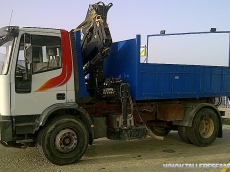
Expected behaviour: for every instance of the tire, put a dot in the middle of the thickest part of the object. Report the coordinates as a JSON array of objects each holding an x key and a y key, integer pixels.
[
  {"x": 182, "y": 132},
  {"x": 64, "y": 140},
  {"x": 204, "y": 129},
  {"x": 160, "y": 131}
]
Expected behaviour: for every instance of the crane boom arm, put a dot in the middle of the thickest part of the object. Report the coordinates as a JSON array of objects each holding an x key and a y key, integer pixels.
[{"x": 96, "y": 41}]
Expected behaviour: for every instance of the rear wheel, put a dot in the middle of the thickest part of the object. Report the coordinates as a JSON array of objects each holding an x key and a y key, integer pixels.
[
  {"x": 204, "y": 129},
  {"x": 64, "y": 140},
  {"x": 160, "y": 131}
]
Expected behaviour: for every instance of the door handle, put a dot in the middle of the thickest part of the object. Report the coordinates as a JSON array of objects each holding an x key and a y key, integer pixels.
[{"x": 60, "y": 96}]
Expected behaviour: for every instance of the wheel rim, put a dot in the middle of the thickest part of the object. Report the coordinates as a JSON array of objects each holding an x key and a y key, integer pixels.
[
  {"x": 206, "y": 127},
  {"x": 66, "y": 140}
]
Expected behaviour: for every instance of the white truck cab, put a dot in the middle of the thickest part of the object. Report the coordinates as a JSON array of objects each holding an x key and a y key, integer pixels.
[{"x": 36, "y": 73}]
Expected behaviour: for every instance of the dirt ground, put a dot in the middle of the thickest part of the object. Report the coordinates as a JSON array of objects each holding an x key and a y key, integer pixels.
[{"x": 136, "y": 155}]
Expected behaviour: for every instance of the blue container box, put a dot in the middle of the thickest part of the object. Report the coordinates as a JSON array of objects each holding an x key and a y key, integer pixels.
[{"x": 149, "y": 81}]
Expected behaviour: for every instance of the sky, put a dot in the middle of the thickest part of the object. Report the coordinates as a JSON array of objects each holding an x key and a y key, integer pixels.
[{"x": 126, "y": 18}]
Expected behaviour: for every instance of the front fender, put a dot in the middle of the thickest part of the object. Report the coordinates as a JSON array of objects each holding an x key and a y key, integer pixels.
[
  {"x": 72, "y": 107},
  {"x": 41, "y": 120}
]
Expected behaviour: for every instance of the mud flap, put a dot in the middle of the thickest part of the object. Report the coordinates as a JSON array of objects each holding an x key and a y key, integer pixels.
[{"x": 5, "y": 130}]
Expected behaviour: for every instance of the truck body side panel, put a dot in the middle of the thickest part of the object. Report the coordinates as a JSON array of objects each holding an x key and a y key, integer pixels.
[
  {"x": 123, "y": 62},
  {"x": 82, "y": 93},
  {"x": 149, "y": 81}
]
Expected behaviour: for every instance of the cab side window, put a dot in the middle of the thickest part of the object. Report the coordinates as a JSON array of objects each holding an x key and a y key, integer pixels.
[
  {"x": 23, "y": 68},
  {"x": 46, "y": 53}
]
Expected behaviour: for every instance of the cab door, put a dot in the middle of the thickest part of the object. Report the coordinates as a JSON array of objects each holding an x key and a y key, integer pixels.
[{"x": 39, "y": 64}]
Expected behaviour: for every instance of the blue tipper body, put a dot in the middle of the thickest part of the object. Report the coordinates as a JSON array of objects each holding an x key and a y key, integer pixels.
[
  {"x": 82, "y": 92},
  {"x": 149, "y": 81}
]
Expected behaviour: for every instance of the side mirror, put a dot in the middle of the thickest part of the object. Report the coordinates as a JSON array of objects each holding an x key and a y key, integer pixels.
[{"x": 28, "y": 52}]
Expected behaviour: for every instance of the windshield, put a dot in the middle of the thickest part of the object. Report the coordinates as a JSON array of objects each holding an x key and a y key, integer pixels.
[{"x": 5, "y": 52}]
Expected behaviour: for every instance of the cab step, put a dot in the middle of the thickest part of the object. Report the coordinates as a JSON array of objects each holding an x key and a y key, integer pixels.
[{"x": 24, "y": 141}]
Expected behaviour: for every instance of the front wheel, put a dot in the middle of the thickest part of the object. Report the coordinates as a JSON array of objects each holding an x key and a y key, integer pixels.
[
  {"x": 204, "y": 129},
  {"x": 63, "y": 140}
]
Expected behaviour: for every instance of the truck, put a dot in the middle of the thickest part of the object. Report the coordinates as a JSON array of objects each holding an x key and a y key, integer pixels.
[{"x": 61, "y": 89}]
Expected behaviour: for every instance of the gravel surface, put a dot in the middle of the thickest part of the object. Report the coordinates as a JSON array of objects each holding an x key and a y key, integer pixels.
[{"x": 137, "y": 155}]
